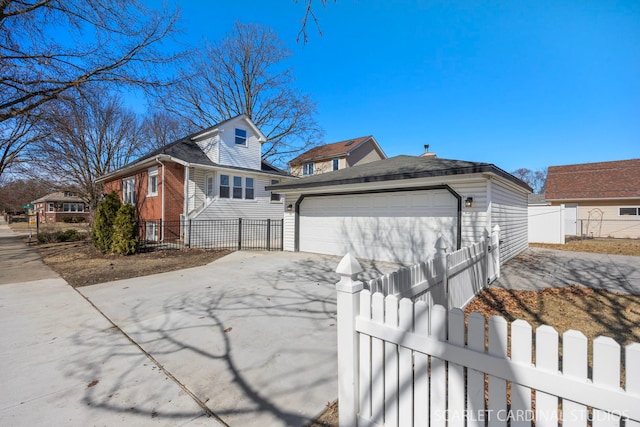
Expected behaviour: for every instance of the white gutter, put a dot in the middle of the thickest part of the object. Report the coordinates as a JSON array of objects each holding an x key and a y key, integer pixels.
[{"x": 162, "y": 202}]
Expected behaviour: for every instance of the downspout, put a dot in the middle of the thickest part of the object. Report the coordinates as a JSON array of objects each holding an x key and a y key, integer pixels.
[{"x": 162, "y": 203}]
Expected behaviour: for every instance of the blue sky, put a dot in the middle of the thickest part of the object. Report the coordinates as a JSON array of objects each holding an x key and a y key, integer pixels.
[{"x": 515, "y": 83}]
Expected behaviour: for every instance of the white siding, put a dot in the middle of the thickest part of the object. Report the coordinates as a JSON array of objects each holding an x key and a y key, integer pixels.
[
  {"x": 232, "y": 154},
  {"x": 289, "y": 231},
  {"x": 210, "y": 147},
  {"x": 474, "y": 219},
  {"x": 259, "y": 208},
  {"x": 509, "y": 210},
  {"x": 196, "y": 189}
]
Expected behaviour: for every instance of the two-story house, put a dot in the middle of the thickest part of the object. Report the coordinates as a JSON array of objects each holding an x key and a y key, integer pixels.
[
  {"x": 338, "y": 155},
  {"x": 216, "y": 173}
]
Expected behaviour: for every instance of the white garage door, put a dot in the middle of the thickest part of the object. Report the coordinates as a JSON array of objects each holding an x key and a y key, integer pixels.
[{"x": 397, "y": 226}]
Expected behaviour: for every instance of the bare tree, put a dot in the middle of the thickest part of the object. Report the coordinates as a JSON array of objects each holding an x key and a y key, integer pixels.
[
  {"x": 51, "y": 48},
  {"x": 89, "y": 136},
  {"x": 161, "y": 128},
  {"x": 244, "y": 74},
  {"x": 15, "y": 135},
  {"x": 14, "y": 194},
  {"x": 537, "y": 180}
]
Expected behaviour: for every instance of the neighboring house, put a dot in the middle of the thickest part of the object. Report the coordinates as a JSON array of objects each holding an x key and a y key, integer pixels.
[
  {"x": 212, "y": 174},
  {"x": 61, "y": 207},
  {"x": 395, "y": 209},
  {"x": 538, "y": 200},
  {"x": 603, "y": 196},
  {"x": 339, "y": 155}
]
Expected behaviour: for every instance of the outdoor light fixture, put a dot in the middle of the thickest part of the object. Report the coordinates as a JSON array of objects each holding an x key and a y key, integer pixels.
[
  {"x": 289, "y": 207},
  {"x": 468, "y": 202}
]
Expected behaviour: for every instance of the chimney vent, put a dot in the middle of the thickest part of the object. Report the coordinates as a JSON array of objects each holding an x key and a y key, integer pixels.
[{"x": 426, "y": 152}]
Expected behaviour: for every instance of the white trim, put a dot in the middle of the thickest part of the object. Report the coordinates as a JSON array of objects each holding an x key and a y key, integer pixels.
[{"x": 152, "y": 172}]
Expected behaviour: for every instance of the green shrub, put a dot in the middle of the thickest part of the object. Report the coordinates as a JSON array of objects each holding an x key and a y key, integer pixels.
[
  {"x": 101, "y": 235},
  {"x": 60, "y": 236},
  {"x": 73, "y": 219},
  {"x": 126, "y": 238}
]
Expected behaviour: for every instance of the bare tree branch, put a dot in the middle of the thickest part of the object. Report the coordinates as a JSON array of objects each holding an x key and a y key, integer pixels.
[
  {"x": 309, "y": 14},
  {"x": 54, "y": 48},
  {"x": 244, "y": 74},
  {"x": 537, "y": 180},
  {"x": 89, "y": 136}
]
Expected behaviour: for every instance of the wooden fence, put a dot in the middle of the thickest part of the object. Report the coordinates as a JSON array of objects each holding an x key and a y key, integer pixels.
[{"x": 404, "y": 363}]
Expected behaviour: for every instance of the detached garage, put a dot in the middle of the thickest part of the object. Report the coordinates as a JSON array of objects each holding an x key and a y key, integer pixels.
[{"x": 395, "y": 209}]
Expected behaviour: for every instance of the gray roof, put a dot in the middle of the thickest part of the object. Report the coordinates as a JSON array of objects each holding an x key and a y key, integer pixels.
[
  {"x": 399, "y": 167},
  {"x": 188, "y": 151},
  {"x": 184, "y": 149},
  {"x": 58, "y": 197},
  {"x": 538, "y": 199}
]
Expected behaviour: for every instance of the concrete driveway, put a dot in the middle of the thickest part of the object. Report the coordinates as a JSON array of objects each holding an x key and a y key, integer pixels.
[
  {"x": 538, "y": 268},
  {"x": 252, "y": 335}
]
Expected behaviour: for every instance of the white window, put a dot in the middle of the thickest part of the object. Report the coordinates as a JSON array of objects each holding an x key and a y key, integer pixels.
[
  {"x": 237, "y": 187},
  {"x": 224, "y": 186},
  {"x": 51, "y": 207},
  {"x": 248, "y": 189},
  {"x": 275, "y": 197},
  {"x": 152, "y": 231},
  {"x": 241, "y": 137},
  {"x": 307, "y": 168},
  {"x": 336, "y": 164},
  {"x": 73, "y": 207},
  {"x": 629, "y": 211},
  {"x": 209, "y": 188},
  {"x": 153, "y": 182},
  {"x": 128, "y": 191}
]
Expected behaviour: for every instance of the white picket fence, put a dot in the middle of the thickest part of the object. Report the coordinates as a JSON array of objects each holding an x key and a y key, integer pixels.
[
  {"x": 449, "y": 279},
  {"x": 403, "y": 363}
]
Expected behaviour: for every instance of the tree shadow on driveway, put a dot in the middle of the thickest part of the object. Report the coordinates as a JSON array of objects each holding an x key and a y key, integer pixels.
[{"x": 254, "y": 341}]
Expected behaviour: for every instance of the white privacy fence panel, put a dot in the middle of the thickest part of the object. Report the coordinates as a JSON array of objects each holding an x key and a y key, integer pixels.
[
  {"x": 547, "y": 224},
  {"x": 407, "y": 364},
  {"x": 449, "y": 279}
]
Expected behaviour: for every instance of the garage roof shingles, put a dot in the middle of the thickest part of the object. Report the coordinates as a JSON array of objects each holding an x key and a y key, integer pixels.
[
  {"x": 588, "y": 181},
  {"x": 399, "y": 167}
]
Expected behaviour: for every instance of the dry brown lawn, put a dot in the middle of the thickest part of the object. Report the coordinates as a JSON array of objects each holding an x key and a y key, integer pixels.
[
  {"x": 599, "y": 246},
  {"x": 81, "y": 264}
]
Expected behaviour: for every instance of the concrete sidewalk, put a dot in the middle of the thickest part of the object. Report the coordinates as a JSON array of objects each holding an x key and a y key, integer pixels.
[
  {"x": 539, "y": 268},
  {"x": 63, "y": 363}
]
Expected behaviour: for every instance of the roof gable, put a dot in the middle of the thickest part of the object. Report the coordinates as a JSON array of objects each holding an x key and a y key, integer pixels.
[
  {"x": 602, "y": 180},
  {"x": 336, "y": 149},
  {"x": 187, "y": 150}
]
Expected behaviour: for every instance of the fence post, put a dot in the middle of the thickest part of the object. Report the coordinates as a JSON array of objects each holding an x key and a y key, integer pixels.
[
  {"x": 496, "y": 249},
  {"x": 189, "y": 233},
  {"x": 487, "y": 257},
  {"x": 268, "y": 234},
  {"x": 348, "y": 305},
  {"x": 442, "y": 262},
  {"x": 282, "y": 234},
  {"x": 239, "y": 234}
]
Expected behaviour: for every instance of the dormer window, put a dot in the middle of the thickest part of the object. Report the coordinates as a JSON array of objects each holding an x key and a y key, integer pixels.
[
  {"x": 307, "y": 168},
  {"x": 241, "y": 137},
  {"x": 336, "y": 164}
]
